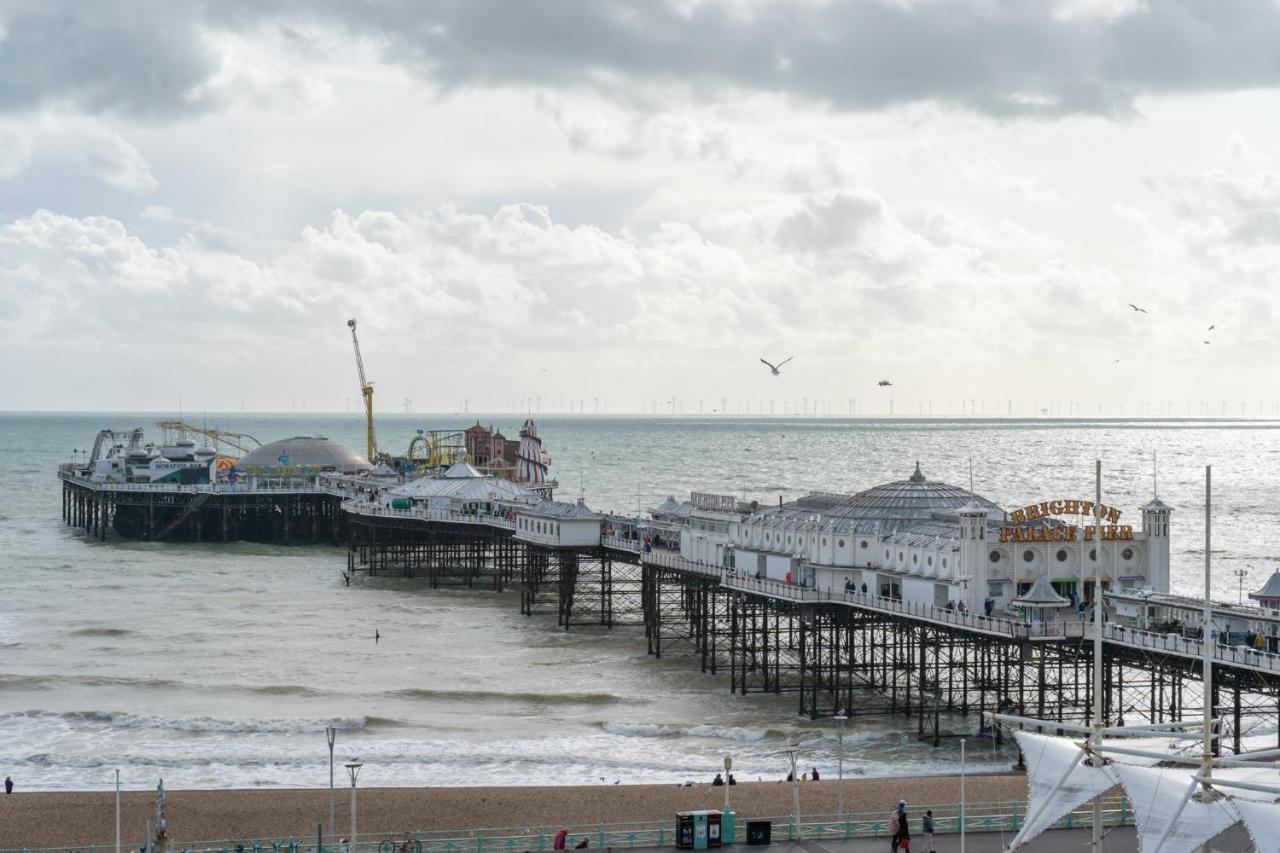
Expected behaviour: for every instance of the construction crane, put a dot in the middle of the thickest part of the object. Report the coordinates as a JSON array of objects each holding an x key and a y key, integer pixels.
[
  {"x": 238, "y": 440},
  {"x": 366, "y": 391}
]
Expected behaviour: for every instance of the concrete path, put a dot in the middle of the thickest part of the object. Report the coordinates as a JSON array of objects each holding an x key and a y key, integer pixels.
[{"x": 1119, "y": 840}]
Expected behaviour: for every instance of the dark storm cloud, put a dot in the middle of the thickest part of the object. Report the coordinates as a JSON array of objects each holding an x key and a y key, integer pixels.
[
  {"x": 141, "y": 58},
  {"x": 992, "y": 57}
]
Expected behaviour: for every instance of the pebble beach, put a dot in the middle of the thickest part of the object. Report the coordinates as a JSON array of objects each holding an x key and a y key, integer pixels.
[{"x": 77, "y": 819}]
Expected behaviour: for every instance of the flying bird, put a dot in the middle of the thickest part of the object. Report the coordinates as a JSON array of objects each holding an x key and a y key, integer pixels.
[
  {"x": 884, "y": 383},
  {"x": 1214, "y": 326},
  {"x": 1208, "y": 342},
  {"x": 777, "y": 368},
  {"x": 1136, "y": 308}
]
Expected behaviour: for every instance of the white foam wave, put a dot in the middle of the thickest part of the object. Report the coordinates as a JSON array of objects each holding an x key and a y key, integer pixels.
[{"x": 737, "y": 733}]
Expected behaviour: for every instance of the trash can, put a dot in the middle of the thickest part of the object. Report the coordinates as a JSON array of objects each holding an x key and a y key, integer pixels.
[
  {"x": 698, "y": 830},
  {"x": 728, "y": 825},
  {"x": 759, "y": 832}
]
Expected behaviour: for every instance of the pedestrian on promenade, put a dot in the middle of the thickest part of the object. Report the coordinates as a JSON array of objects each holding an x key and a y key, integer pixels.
[
  {"x": 8, "y": 785},
  {"x": 903, "y": 831},
  {"x": 561, "y": 840},
  {"x": 926, "y": 826}
]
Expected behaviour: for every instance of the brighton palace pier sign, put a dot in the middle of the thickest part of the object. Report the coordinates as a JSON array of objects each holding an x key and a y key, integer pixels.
[{"x": 1018, "y": 532}]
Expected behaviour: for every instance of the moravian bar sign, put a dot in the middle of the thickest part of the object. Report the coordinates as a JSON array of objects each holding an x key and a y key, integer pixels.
[{"x": 1019, "y": 532}]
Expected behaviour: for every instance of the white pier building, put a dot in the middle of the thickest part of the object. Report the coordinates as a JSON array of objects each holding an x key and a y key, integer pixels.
[{"x": 927, "y": 542}]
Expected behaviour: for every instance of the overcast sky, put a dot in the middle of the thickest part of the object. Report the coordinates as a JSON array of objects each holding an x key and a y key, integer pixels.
[{"x": 637, "y": 201}]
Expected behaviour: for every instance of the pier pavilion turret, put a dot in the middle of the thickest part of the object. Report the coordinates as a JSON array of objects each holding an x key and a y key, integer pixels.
[{"x": 1155, "y": 524}]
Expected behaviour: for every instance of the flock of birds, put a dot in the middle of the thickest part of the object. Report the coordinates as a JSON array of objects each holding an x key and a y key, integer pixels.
[
  {"x": 776, "y": 369},
  {"x": 1212, "y": 326}
]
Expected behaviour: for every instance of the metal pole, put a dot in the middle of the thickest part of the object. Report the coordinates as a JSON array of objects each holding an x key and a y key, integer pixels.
[
  {"x": 1206, "y": 754},
  {"x": 353, "y": 770},
  {"x": 795, "y": 789},
  {"x": 331, "y": 734},
  {"x": 961, "y": 795},
  {"x": 840, "y": 718},
  {"x": 1098, "y": 725},
  {"x": 728, "y": 765},
  {"x": 117, "y": 810}
]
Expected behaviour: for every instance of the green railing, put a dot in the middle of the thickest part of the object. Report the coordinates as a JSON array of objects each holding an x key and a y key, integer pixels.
[{"x": 978, "y": 817}]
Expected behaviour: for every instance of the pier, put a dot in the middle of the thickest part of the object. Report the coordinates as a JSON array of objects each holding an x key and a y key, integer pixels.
[{"x": 913, "y": 600}]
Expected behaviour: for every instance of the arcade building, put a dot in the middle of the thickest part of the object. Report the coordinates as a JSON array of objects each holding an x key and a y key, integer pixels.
[{"x": 930, "y": 542}]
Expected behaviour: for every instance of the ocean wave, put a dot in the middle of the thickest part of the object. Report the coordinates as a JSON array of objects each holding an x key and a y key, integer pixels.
[
  {"x": 504, "y": 696},
  {"x": 101, "y": 632},
  {"x": 14, "y": 681},
  {"x": 124, "y": 720},
  {"x": 737, "y": 733}
]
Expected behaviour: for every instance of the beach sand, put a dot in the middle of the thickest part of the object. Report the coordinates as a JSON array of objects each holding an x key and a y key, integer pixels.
[{"x": 72, "y": 819}]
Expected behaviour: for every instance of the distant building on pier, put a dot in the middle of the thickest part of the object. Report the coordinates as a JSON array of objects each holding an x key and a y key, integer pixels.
[{"x": 927, "y": 542}]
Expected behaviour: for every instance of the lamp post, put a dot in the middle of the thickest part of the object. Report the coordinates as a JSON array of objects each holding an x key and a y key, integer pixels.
[
  {"x": 353, "y": 770},
  {"x": 331, "y": 734},
  {"x": 728, "y": 765},
  {"x": 962, "y": 795},
  {"x": 794, "y": 755},
  {"x": 117, "y": 810},
  {"x": 840, "y": 720},
  {"x": 1241, "y": 574}
]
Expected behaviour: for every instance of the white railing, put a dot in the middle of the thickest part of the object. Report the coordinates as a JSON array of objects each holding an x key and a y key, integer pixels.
[
  {"x": 242, "y": 488},
  {"x": 918, "y": 610},
  {"x": 357, "y": 507},
  {"x": 1188, "y": 647},
  {"x": 620, "y": 544},
  {"x": 672, "y": 560}
]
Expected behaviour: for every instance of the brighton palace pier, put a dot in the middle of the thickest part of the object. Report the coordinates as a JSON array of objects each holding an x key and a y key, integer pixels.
[{"x": 915, "y": 598}]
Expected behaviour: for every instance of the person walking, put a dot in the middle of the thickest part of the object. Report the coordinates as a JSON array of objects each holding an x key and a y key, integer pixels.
[
  {"x": 904, "y": 831},
  {"x": 926, "y": 829},
  {"x": 8, "y": 785}
]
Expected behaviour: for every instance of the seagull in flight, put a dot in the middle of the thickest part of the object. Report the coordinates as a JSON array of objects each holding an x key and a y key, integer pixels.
[
  {"x": 1214, "y": 326},
  {"x": 1208, "y": 342},
  {"x": 1136, "y": 308},
  {"x": 884, "y": 383},
  {"x": 777, "y": 368}
]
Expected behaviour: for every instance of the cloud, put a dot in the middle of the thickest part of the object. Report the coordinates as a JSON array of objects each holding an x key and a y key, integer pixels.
[
  {"x": 86, "y": 144},
  {"x": 994, "y": 57},
  {"x": 15, "y": 150}
]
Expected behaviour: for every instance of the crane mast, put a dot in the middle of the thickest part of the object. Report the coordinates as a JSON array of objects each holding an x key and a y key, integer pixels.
[{"x": 366, "y": 391}]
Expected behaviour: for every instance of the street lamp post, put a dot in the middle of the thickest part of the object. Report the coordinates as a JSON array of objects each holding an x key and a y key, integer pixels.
[
  {"x": 331, "y": 734},
  {"x": 962, "y": 795},
  {"x": 353, "y": 770},
  {"x": 728, "y": 765},
  {"x": 117, "y": 810},
  {"x": 794, "y": 755},
  {"x": 840, "y": 720},
  {"x": 1241, "y": 574}
]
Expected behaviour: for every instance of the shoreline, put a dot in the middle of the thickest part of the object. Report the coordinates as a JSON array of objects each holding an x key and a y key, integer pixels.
[{"x": 80, "y": 818}]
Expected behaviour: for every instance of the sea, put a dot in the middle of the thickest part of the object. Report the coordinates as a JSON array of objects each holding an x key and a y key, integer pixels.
[{"x": 219, "y": 666}]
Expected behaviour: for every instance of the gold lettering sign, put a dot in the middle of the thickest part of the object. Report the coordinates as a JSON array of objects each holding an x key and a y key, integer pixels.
[
  {"x": 714, "y": 503},
  {"x": 1017, "y": 531}
]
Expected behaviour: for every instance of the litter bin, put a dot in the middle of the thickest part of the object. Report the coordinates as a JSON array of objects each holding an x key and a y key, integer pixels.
[
  {"x": 728, "y": 825},
  {"x": 699, "y": 830},
  {"x": 759, "y": 832}
]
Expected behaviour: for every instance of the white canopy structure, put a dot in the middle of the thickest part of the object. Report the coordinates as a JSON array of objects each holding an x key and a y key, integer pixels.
[{"x": 1178, "y": 809}]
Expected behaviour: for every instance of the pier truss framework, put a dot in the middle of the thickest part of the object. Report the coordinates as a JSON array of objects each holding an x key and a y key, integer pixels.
[
  {"x": 282, "y": 517},
  {"x": 862, "y": 662}
]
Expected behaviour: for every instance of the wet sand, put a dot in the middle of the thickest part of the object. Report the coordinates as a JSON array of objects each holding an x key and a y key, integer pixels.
[{"x": 67, "y": 819}]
